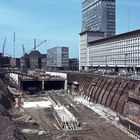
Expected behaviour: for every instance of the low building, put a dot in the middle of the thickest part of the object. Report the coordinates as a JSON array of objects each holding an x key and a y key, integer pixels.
[
  {"x": 121, "y": 51},
  {"x": 4, "y": 61},
  {"x": 58, "y": 58},
  {"x": 74, "y": 64},
  {"x": 15, "y": 62},
  {"x": 33, "y": 60},
  {"x": 44, "y": 61}
]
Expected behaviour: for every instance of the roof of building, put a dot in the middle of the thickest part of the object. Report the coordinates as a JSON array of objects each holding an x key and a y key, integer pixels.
[
  {"x": 57, "y": 47},
  {"x": 74, "y": 59},
  {"x": 117, "y": 37},
  {"x": 44, "y": 55},
  {"x": 86, "y": 31}
]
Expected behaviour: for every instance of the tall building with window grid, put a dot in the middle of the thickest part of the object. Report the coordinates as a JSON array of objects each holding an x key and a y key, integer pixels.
[
  {"x": 99, "y": 15},
  {"x": 58, "y": 58}
]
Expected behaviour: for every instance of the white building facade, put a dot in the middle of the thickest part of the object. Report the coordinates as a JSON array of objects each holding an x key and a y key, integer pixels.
[
  {"x": 118, "y": 51},
  {"x": 58, "y": 58}
]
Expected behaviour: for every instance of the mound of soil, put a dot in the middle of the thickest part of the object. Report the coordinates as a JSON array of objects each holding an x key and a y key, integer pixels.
[{"x": 8, "y": 130}]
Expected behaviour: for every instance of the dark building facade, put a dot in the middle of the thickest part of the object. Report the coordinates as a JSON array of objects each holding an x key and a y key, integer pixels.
[
  {"x": 99, "y": 15},
  {"x": 4, "y": 61},
  {"x": 15, "y": 62},
  {"x": 73, "y": 64},
  {"x": 34, "y": 60},
  {"x": 44, "y": 61}
]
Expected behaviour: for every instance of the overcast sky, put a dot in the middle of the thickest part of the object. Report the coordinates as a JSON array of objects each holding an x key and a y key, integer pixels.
[{"x": 57, "y": 21}]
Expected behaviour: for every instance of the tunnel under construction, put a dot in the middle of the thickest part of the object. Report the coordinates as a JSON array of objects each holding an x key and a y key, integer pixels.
[
  {"x": 36, "y": 86},
  {"x": 74, "y": 106},
  {"x": 44, "y": 82}
]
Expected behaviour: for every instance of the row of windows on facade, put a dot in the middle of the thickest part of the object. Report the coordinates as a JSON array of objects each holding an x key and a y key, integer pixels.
[
  {"x": 112, "y": 61},
  {"x": 117, "y": 46},
  {"x": 89, "y": 23},
  {"x": 126, "y": 42},
  {"x": 117, "y": 49},
  {"x": 121, "y": 57},
  {"x": 116, "y": 52},
  {"x": 115, "y": 60},
  {"x": 130, "y": 54},
  {"x": 55, "y": 57},
  {"x": 93, "y": 5},
  {"x": 91, "y": 14},
  {"x": 97, "y": 26},
  {"x": 92, "y": 20},
  {"x": 91, "y": 11},
  {"x": 131, "y": 47}
]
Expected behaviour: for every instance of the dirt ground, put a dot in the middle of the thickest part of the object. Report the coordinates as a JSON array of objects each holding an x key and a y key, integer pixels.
[
  {"x": 8, "y": 130},
  {"x": 45, "y": 127}
]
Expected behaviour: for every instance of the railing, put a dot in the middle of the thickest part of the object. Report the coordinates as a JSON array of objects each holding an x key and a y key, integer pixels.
[{"x": 133, "y": 134}]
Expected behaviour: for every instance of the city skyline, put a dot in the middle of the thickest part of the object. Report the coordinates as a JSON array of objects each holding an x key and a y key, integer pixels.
[{"x": 58, "y": 23}]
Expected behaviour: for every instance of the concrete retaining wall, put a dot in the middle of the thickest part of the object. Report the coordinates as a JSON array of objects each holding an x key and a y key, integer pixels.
[{"x": 115, "y": 93}]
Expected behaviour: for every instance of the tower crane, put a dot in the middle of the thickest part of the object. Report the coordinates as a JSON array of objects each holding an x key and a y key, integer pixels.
[
  {"x": 41, "y": 43},
  {"x": 23, "y": 66},
  {"x": 36, "y": 46},
  {"x": 23, "y": 48}
]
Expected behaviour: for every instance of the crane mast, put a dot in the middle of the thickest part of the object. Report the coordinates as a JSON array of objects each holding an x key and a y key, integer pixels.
[
  {"x": 36, "y": 45},
  {"x": 23, "y": 48},
  {"x": 3, "y": 48},
  {"x": 14, "y": 40}
]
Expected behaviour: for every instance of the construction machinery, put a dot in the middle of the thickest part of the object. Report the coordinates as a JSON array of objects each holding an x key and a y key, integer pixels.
[{"x": 35, "y": 47}]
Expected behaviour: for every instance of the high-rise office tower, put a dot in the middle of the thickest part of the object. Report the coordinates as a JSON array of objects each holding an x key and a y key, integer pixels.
[{"x": 99, "y": 15}]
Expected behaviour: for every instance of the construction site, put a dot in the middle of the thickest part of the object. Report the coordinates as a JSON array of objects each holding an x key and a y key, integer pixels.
[
  {"x": 41, "y": 105},
  {"x": 46, "y": 95}
]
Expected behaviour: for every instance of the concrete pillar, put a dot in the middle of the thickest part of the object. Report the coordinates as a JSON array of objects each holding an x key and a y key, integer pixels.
[
  {"x": 43, "y": 85},
  {"x": 65, "y": 86},
  {"x": 19, "y": 84}
]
